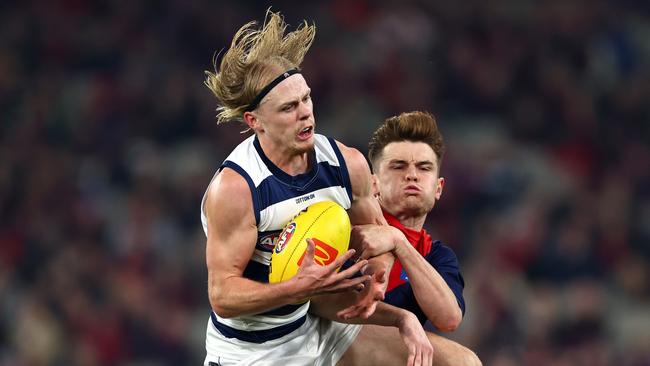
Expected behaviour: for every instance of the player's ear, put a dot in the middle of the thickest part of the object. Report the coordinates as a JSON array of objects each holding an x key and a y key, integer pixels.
[
  {"x": 375, "y": 186},
  {"x": 440, "y": 184},
  {"x": 251, "y": 120}
]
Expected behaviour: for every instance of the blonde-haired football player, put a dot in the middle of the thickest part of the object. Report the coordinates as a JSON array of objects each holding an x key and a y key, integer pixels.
[{"x": 266, "y": 180}]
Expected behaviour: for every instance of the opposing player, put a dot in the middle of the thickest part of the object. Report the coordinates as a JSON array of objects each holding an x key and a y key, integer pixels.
[
  {"x": 406, "y": 152},
  {"x": 284, "y": 167}
]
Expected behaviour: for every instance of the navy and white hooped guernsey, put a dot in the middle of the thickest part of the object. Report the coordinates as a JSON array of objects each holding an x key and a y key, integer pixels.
[{"x": 277, "y": 198}]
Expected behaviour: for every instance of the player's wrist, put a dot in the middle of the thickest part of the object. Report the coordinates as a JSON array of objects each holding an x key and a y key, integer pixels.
[
  {"x": 294, "y": 291},
  {"x": 401, "y": 244}
]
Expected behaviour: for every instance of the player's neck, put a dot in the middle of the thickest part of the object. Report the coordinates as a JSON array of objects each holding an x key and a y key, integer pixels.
[
  {"x": 412, "y": 222},
  {"x": 289, "y": 161}
]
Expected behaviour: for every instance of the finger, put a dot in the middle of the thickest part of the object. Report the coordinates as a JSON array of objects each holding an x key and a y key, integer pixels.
[
  {"x": 377, "y": 293},
  {"x": 338, "y": 262},
  {"x": 352, "y": 270},
  {"x": 349, "y": 312},
  {"x": 356, "y": 283},
  {"x": 351, "y": 315},
  {"x": 369, "y": 310},
  {"x": 380, "y": 275},
  {"x": 308, "y": 258},
  {"x": 418, "y": 357},
  {"x": 309, "y": 253},
  {"x": 411, "y": 359},
  {"x": 348, "y": 287}
]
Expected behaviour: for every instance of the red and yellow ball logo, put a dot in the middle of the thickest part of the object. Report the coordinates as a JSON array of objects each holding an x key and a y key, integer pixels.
[{"x": 326, "y": 223}]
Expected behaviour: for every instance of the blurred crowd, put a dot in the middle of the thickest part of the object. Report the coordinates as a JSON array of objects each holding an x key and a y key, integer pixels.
[{"x": 108, "y": 140}]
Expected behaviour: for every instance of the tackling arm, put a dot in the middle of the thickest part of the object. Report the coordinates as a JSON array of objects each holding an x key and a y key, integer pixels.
[{"x": 431, "y": 291}]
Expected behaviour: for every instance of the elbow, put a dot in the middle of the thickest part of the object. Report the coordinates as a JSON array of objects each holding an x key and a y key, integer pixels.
[
  {"x": 448, "y": 323},
  {"x": 222, "y": 311},
  {"x": 218, "y": 306},
  {"x": 447, "y": 326}
]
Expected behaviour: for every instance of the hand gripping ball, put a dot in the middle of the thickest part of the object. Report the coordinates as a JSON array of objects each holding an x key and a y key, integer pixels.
[{"x": 327, "y": 223}]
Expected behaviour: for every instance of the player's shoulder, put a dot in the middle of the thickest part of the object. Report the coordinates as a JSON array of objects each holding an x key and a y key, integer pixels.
[
  {"x": 354, "y": 159},
  {"x": 440, "y": 252},
  {"x": 358, "y": 170},
  {"x": 349, "y": 152},
  {"x": 229, "y": 190}
]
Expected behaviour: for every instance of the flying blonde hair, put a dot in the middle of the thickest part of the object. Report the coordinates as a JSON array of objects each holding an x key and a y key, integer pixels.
[{"x": 255, "y": 57}]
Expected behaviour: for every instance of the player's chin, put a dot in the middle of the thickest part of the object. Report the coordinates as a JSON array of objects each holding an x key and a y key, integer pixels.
[
  {"x": 305, "y": 145},
  {"x": 416, "y": 205}
]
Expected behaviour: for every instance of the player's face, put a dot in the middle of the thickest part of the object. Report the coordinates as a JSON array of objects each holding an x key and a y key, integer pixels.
[
  {"x": 407, "y": 179},
  {"x": 285, "y": 118}
]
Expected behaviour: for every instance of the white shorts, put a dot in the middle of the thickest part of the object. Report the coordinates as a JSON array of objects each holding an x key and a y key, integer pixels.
[{"x": 317, "y": 342}]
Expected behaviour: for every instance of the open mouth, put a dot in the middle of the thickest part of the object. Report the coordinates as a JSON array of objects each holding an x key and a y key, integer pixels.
[{"x": 306, "y": 133}]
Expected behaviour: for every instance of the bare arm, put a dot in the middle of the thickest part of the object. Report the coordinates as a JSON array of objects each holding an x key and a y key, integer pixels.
[
  {"x": 420, "y": 350},
  {"x": 232, "y": 233},
  {"x": 365, "y": 209},
  {"x": 432, "y": 293}
]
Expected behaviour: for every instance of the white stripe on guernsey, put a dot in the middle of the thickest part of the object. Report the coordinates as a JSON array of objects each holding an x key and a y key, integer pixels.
[
  {"x": 276, "y": 216},
  {"x": 263, "y": 322},
  {"x": 245, "y": 155},
  {"x": 262, "y": 257},
  {"x": 324, "y": 151}
]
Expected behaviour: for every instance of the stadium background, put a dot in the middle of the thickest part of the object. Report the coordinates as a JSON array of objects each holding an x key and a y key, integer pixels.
[{"x": 108, "y": 140}]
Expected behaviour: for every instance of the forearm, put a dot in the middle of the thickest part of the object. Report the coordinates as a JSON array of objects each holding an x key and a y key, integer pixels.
[
  {"x": 327, "y": 306},
  {"x": 233, "y": 295},
  {"x": 237, "y": 296},
  {"x": 384, "y": 261},
  {"x": 432, "y": 293},
  {"x": 385, "y": 314}
]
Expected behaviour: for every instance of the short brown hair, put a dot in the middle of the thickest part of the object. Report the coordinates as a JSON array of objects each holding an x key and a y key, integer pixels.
[{"x": 409, "y": 126}]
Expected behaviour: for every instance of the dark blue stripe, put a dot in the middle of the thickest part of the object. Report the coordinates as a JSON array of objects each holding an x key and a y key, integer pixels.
[
  {"x": 292, "y": 180},
  {"x": 345, "y": 175},
  {"x": 271, "y": 192},
  {"x": 266, "y": 240},
  {"x": 257, "y": 336},
  {"x": 283, "y": 310},
  {"x": 251, "y": 185},
  {"x": 257, "y": 272}
]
